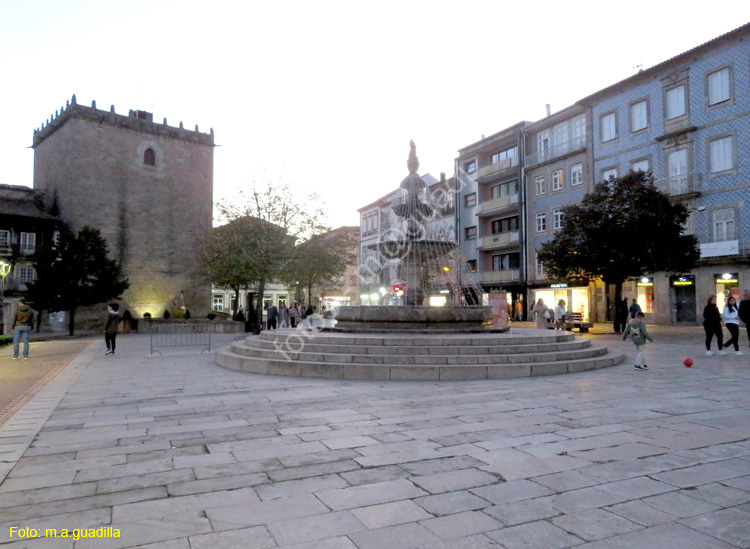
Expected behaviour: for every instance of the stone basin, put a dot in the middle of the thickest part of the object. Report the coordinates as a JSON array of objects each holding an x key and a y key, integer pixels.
[{"x": 417, "y": 319}]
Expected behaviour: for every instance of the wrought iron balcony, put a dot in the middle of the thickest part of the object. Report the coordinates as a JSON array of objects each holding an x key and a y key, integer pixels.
[
  {"x": 680, "y": 186},
  {"x": 556, "y": 150}
]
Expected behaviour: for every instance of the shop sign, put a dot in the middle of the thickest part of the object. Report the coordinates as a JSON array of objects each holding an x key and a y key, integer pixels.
[
  {"x": 727, "y": 278},
  {"x": 559, "y": 285},
  {"x": 683, "y": 281},
  {"x": 716, "y": 249},
  {"x": 645, "y": 282}
]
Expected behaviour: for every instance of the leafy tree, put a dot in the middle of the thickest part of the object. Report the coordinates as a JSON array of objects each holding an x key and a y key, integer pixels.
[
  {"x": 624, "y": 228},
  {"x": 322, "y": 259},
  {"x": 260, "y": 230},
  {"x": 77, "y": 273}
]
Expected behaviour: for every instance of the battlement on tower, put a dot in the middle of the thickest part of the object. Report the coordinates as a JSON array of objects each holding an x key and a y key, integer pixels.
[{"x": 137, "y": 120}]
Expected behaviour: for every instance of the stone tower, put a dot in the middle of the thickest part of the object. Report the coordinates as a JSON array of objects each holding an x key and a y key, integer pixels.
[{"x": 146, "y": 186}]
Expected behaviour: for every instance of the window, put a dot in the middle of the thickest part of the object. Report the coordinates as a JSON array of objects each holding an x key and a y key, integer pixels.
[
  {"x": 504, "y": 155},
  {"x": 470, "y": 167},
  {"x": 470, "y": 233},
  {"x": 504, "y": 189},
  {"x": 576, "y": 175},
  {"x": 540, "y": 185},
  {"x": 149, "y": 157},
  {"x": 579, "y": 130},
  {"x": 26, "y": 274},
  {"x": 640, "y": 165},
  {"x": 560, "y": 133},
  {"x": 721, "y": 154},
  {"x": 218, "y": 302},
  {"x": 638, "y": 116},
  {"x": 504, "y": 262},
  {"x": 609, "y": 127},
  {"x": 675, "y": 102},
  {"x": 718, "y": 87},
  {"x": 470, "y": 199},
  {"x": 557, "y": 180},
  {"x": 539, "y": 266},
  {"x": 472, "y": 264},
  {"x": 56, "y": 238},
  {"x": 28, "y": 243},
  {"x": 4, "y": 238},
  {"x": 369, "y": 223},
  {"x": 609, "y": 174},
  {"x": 541, "y": 222},
  {"x": 677, "y": 165},
  {"x": 723, "y": 225},
  {"x": 542, "y": 144},
  {"x": 557, "y": 219},
  {"x": 506, "y": 225}
]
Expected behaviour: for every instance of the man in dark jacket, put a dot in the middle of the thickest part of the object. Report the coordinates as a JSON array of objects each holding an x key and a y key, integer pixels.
[{"x": 23, "y": 320}]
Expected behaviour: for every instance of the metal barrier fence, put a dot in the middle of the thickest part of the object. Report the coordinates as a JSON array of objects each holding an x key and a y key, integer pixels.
[{"x": 181, "y": 335}]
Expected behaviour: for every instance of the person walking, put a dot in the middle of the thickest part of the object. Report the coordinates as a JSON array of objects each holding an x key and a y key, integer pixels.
[
  {"x": 110, "y": 328},
  {"x": 23, "y": 320},
  {"x": 744, "y": 311},
  {"x": 309, "y": 315},
  {"x": 560, "y": 315},
  {"x": 540, "y": 310},
  {"x": 634, "y": 308},
  {"x": 283, "y": 316},
  {"x": 732, "y": 322},
  {"x": 272, "y": 313},
  {"x": 635, "y": 329},
  {"x": 712, "y": 326},
  {"x": 293, "y": 314},
  {"x": 518, "y": 314}
]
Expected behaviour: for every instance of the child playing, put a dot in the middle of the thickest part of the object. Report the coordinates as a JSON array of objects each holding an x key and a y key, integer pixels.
[{"x": 636, "y": 330}]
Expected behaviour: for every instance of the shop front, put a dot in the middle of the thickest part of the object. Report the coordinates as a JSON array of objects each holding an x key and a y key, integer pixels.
[
  {"x": 726, "y": 285},
  {"x": 682, "y": 294},
  {"x": 576, "y": 298},
  {"x": 644, "y": 287}
]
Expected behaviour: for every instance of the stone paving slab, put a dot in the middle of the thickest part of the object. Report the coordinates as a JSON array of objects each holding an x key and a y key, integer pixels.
[{"x": 178, "y": 453}]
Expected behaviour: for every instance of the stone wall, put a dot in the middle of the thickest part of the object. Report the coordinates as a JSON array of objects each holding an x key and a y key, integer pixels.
[{"x": 91, "y": 163}]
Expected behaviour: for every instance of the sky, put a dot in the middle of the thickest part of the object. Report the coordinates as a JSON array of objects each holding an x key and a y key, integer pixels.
[{"x": 326, "y": 95}]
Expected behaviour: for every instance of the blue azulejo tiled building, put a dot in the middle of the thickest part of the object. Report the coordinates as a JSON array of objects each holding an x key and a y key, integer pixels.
[{"x": 687, "y": 120}]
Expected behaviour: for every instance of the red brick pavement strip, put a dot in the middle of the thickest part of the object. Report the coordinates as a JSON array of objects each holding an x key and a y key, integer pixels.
[{"x": 46, "y": 360}]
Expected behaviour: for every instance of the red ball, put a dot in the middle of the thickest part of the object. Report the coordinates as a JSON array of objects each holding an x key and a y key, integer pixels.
[{"x": 688, "y": 362}]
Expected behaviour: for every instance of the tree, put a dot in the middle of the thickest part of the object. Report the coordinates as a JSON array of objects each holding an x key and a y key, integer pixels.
[
  {"x": 260, "y": 230},
  {"x": 624, "y": 228},
  {"x": 77, "y": 273},
  {"x": 322, "y": 259}
]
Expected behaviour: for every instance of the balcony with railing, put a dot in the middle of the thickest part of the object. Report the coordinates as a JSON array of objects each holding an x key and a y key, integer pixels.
[
  {"x": 498, "y": 240},
  {"x": 497, "y": 168},
  {"x": 497, "y": 277},
  {"x": 489, "y": 207},
  {"x": 556, "y": 150},
  {"x": 680, "y": 186}
]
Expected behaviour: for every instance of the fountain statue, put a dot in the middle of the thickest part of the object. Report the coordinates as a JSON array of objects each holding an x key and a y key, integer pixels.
[{"x": 439, "y": 292}]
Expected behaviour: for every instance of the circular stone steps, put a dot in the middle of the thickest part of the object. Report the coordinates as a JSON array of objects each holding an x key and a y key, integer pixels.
[{"x": 520, "y": 353}]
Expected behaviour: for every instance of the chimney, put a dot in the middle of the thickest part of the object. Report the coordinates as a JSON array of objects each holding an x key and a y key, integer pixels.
[{"x": 549, "y": 109}]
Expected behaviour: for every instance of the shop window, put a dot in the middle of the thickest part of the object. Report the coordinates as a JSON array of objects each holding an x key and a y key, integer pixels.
[{"x": 645, "y": 294}]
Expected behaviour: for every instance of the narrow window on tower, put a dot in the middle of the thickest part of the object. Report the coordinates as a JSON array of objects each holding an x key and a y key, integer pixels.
[{"x": 149, "y": 157}]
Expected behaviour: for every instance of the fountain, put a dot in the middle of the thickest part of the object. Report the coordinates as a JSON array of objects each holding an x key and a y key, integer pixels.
[
  {"x": 429, "y": 268},
  {"x": 439, "y": 331}
]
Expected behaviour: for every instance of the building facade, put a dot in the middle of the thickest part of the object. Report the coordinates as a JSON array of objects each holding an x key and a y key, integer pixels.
[
  {"x": 491, "y": 211},
  {"x": 146, "y": 186},
  {"x": 27, "y": 226},
  {"x": 687, "y": 121},
  {"x": 558, "y": 172}
]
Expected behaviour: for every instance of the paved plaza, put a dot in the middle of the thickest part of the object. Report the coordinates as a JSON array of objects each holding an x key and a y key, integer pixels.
[{"x": 176, "y": 452}]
